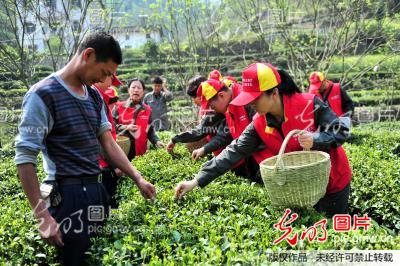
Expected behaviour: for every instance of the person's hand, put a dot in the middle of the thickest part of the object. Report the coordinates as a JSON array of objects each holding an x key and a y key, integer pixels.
[
  {"x": 147, "y": 189},
  {"x": 306, "y": 140},
  {"x": 170, "y": 147},
  {"x": 118, "y": 172},
  {"x": 50, "y": 230},
  {"x": 184, "y": 187},
  {"x": 196, "y": 154},
  {"x": 160, "y": 145},
  {"x": 132, "y": 128}
]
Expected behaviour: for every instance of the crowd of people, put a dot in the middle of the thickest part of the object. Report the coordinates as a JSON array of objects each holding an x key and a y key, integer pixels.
[{"x": 75, "y": 116}]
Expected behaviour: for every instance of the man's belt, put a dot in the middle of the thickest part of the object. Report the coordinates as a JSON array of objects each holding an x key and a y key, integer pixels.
[{"x": 80, "y": 180}]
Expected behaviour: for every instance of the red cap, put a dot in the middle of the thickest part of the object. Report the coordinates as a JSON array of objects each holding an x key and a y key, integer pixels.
[
  {"x": 256, "y": 79},
  {"x": 207, "y": 90},
  {"x": 115, "y": 81},
  {"x": 316, "y": 79},
  {"x": 215, "y": 74}
]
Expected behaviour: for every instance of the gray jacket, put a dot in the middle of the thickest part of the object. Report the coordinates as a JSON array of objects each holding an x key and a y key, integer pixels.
[{"x": 159, "y": 110}]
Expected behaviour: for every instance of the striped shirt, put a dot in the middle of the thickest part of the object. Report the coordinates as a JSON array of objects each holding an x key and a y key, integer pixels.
[{"x": 64, "y": 126}]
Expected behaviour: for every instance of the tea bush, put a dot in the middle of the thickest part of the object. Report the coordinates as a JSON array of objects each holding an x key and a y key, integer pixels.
[
  {"x": 229, "y": 221},
  {"x": 374, "y": 153}
]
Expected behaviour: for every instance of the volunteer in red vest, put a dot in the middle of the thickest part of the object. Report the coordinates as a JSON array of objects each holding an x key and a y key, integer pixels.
[
  {"x": 132, "y": 119},
  {"x": 222, "y": 135},
  {"x": 109, "y": 173},
  {"x": 332, "y": 94},
  {"x": 208, "y": 127},
  {"x": 218, "y": 97},
  {"x": 281, "y": 107}
]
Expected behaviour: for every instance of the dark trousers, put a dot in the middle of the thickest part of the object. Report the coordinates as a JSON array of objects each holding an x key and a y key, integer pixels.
[
  {"x": 80, "y": 216},
  {"x": 250, "y": 169},
  {"x": 110, "y": 182},
  {"x": 335, "y": 203}
]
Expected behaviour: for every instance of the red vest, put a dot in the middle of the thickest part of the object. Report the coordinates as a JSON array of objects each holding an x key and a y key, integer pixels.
[
  {"x": 106, "y": 99},
  {"x": 125, "y": 117},
  {"x": 299, "y": 115},
  {"x": 237, "y": 120},
  {"x": 236, "y": 116},
  {"x": 334, "y": 98},
  {"x": 102, "y": 162}
]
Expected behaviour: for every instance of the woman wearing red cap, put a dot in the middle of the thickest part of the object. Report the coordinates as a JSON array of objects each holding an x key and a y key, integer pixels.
[
  {"x": 281, "y": 107},
  {"x": 132, "y": 119}
]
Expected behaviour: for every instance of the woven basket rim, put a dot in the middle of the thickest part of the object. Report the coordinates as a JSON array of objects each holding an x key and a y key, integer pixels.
[
  {"x": 124, "y": 143},
  {"x": 272, "y": 167},
  {"x": 122, "y": 138}
]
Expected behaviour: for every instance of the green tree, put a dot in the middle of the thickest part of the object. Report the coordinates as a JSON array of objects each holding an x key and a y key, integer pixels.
[{"x": 151, "y": 50}]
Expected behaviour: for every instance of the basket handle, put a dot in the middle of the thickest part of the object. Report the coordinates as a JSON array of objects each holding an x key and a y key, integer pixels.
[{"x": 279, "y": 163}]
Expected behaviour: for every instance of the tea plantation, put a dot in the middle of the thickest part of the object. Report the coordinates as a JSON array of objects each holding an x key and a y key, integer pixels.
[{"x": 229, "y": 221}]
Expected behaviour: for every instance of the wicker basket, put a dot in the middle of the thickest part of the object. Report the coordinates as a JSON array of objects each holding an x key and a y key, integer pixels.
[
  {"x": 125, "y": 143},
  {"x": 191, "y": 146},
  {"x": 296, "y": 179}
]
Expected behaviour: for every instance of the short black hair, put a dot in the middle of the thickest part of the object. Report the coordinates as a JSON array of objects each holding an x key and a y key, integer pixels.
[
  {"x": 157, "y": 80},
  {"x": 194, "y": 84},
  {"x": 137, "y": 79},
  {"x": 104, "y": 45}
]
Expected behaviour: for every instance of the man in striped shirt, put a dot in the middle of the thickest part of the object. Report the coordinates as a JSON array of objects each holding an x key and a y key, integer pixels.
[{"x": 64, "y": 118}]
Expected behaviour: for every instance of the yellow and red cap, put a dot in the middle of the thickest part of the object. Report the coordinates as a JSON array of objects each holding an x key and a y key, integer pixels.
[
  {"x": 228, "y": 80},
  {"x": 215, "y": 74},
  {"x": 256, "y": 79},
  {"x": 316, "y": 79},
  {"x": 207, "y": 90}
]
